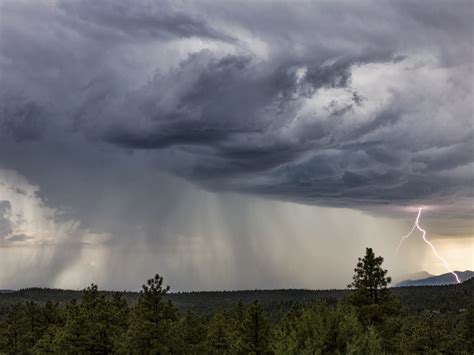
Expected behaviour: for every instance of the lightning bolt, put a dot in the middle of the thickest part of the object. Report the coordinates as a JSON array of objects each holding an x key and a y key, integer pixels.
[{"x": 416, "y": 225}]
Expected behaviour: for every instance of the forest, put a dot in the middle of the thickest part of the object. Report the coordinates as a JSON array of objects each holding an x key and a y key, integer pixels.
[{"x": 367, "y": 318}]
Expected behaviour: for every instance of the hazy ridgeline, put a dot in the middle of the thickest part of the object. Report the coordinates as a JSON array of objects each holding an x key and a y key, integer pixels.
[{"x": 367, "y": 319}]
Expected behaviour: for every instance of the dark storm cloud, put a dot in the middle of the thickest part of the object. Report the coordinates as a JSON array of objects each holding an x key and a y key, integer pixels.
[
  {"x": 223, "y": 101},
  {"x": 20, "y": 118},
  {"x": 236, "y": 106},
  {"x": 149, "y": 20},
  {"x": 364, "y": 104}
]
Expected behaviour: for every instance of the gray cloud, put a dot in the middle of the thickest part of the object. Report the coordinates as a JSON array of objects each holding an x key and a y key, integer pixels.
[
  {"x": 21, "y": 118},
  {"x": 18, "y": 238},
  {"x": 363, "y": 105},
  {"x": 5, "y": 223},
  {"x": 148, "y": 20},
  {"x": 234, "y": 118}
]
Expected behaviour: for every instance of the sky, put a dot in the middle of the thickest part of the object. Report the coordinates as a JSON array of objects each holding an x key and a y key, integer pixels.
[{"x": 232, "y": 145}]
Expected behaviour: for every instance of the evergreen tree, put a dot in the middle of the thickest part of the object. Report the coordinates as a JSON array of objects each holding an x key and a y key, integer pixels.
[
  {"x": 255, "y": 330},
  {"x": 366, "y": 343},
  {"x": 427, "y": 333},
  {"x": 369, "y": 323},
  {"x": 13, "y": 331},
  {"x": 92, "y": 326},
  {"x": 53, "y": 317},
  {"x": 192, "y": 330},
  {"x": 34, "y": 323},
  {"x": 238, "y": 313},
  {"x": 371, "y": 294},
  {"x": 219, "y": 336},
  {"x": 72, "y": 338},
  {"x": 320, "y": 329},
  {"x": 235, "y": 320},
  {"x": 391, "y": 335},
  {"x": 369, "y": 280},
  {"x": 301, "y": 331},
  {"x": 284, "y": 334},
  {"x": 153, "y": 322}
]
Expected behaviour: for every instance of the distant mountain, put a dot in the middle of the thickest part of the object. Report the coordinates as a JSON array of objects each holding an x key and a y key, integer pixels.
[
  {"x": 6, "y": 291},
  {"x": 444, "y": 279},
  {"x": 414, "y": 276}
]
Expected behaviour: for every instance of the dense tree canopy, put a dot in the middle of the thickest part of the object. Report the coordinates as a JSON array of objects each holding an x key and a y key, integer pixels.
[{"x": 367, "y": 321}]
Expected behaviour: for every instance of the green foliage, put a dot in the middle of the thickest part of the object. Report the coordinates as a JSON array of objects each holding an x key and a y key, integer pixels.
[
  {"x": 254, "y": 331},
  {"x": 93, "y": 325},
  {"x": 153, "y": 320},
  {"x": 424, "y": 333},
  {"x": 219, "y": 334},
  {"x": 369, "y": 280},
  {"x": 431, "y": 320},
  {"x": 193, "y": 333},
  {"x": 25, "y": 325},
  {"x": 449, "y": 298},
  {"x": 371, "y": 295},
  {"x": 366, "y": 343},
  {"x": 320, "y": 329}
]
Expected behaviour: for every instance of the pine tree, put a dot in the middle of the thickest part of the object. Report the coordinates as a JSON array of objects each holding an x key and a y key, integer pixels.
[
  {"x": 153, "y": 322},
  {"x": 255, "y": 330},
  {"x": 302, "y": 331},
  {"x": 13, "y": 331},
  {"x": 235, "y": 320},
  {"x": 94, "y": 325},
  {"x": 193, "y": 332},
  {"x": 73, "y": 337},
  {"x": 369, "y": 280},
  {"x": 53, "y": 317},
  {"x": 426, "y": 333},
  {"x": 284, "y": 334},
  {"x": 367, "y": 343},
  {"x": 319, "y": 329},
  {"x": 218, "y": 336},
  {"x": 371, "y": 294}
]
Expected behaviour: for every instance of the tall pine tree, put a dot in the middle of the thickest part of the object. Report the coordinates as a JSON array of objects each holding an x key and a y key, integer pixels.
[
  {"x": 371, "y": 294},
  {"x": 255, "y": 330},
  {"x": 370, "y": 281}
]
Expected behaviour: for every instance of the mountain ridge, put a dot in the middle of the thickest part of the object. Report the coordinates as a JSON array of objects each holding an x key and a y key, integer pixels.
[{"x": 437, "y": 280}]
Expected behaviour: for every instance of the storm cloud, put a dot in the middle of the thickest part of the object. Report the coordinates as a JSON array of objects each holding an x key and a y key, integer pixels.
[
  {"x": 362, "y": 105},
  {"x": 290, "y": 118}
]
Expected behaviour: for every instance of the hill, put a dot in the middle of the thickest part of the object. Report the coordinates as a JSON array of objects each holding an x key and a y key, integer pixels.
[
  {"x": 413, "y": 276},
  {"x": 444, "y": 279}
]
